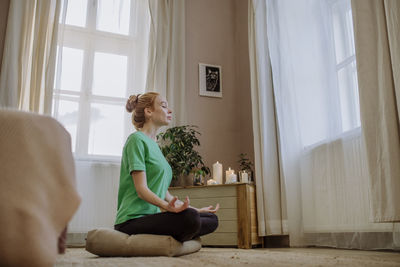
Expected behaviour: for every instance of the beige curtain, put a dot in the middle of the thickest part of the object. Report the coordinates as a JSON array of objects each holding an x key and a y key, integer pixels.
[
  {"x": 28, "y": 65},
  {"x": 166, "y": 68},
  {"x": 271, "y": 207},
  {"x": 377, "y": 41}
]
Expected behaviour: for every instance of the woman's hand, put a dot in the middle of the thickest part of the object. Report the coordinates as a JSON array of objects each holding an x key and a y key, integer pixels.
[
  {"x": 180, "y": 206},
  {"x": 171, "y": 204},
  {"x": 209, "y": 209}
]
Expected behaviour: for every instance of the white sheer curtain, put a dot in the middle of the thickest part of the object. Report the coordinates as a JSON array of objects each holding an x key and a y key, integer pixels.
[
  {"x": 323, "y": 158},
  {"x": 166, "y": 66}
]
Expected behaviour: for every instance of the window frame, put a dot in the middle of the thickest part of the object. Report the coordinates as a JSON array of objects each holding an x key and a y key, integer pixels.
[
  {"x": 344, "y": 63},
  {"x": 342, "y": 134},
  {"x": 91, "y": 40}
]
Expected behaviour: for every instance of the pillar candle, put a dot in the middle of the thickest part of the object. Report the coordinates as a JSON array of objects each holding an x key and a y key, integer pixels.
[
  {"x": 228, "y": 174},
  {"x": 217, "y": 172},
  {"x": 232, "y": 178},
  {"x": 245, "y": 177}
]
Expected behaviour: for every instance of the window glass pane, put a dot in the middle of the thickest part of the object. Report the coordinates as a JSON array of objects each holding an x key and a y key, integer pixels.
[
  {"x": 67, "y": 115},
  {"x": 109, "y": 77},
  {"x": 76, "y": 13},
  {"x": 356, "y": 106},
  {"x": 312, "y": 108},
  {"x": 349, "y": 101},
  {"x": 350, "y": 31},
  {"x": 71, "y": 69},
  {"x": 61, "y": 12},
  {"x": 113, "y": 16},
  {"x": 103, "y": 140},
  {"x": 343, "y": 30},
  {"x": 55, "y": 85}
]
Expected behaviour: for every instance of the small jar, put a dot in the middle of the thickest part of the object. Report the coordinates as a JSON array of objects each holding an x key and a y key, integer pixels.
[
  {"x": 198, "y": 180},
  {"x": 245, "y": 176}
]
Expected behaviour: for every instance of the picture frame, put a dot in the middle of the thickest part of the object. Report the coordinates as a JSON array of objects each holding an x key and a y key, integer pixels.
[{"x": 210, "y": 80}]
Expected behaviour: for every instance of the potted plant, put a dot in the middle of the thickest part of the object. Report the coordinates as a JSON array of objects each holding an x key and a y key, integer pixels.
[
  {"x": 246, "y": 170},
  {"x": 178, "y": 146}
]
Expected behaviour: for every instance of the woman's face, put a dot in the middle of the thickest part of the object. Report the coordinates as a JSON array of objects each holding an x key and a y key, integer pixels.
[{"x": 161, "y": 115}]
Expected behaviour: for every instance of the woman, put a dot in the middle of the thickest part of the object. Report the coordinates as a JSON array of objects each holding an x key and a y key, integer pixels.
[{"x": 145, "y": 177}]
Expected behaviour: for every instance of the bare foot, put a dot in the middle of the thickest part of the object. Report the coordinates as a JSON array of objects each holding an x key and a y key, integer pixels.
[{"x": 62, "y": 239}]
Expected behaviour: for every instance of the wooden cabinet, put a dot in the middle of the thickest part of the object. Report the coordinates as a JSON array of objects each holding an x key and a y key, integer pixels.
[{"x": 237, "y": 214}]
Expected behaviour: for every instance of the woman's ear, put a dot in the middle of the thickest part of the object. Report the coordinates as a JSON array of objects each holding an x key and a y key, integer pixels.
[{"x": 147, "y": 112}]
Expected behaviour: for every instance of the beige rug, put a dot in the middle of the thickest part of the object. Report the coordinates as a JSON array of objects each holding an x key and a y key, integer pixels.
[{"x": 242, "y": 257}]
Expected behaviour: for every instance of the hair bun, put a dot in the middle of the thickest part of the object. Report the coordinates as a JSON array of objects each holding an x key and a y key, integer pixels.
[{"x": 131, "y": 103}]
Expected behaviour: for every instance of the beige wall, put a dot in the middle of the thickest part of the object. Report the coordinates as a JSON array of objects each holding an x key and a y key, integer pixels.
[
  {"x": 216, "y": 33},
  {"x": 4, "y": 4}
]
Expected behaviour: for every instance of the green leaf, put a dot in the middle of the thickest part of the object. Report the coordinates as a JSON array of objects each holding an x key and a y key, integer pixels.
[{"x": 178, "y": 147}]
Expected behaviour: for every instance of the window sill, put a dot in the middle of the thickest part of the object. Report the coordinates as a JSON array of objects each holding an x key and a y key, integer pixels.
[
  {"x": 352, "y": 134},
  {"x": 99, "y": 159}
]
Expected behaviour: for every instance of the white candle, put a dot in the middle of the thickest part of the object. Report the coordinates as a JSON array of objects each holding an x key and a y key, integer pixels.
[
  {"x": 245, "y": 177},
  {"x": 232, "y": 178},
  {"x": 217, "y": 172},
  {"x": 211, "y": 182},
  {"x": 228, "y": 175}
]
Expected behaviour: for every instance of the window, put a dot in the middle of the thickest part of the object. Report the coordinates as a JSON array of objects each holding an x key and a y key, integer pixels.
[
  {"x": 343, "y": 33},
  {"x": 329, "y": 102},
  {"x": 101, "y": 60}
]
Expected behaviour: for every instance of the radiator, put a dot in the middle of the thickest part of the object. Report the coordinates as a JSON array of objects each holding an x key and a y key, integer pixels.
[{"x": 97, "y": 184}]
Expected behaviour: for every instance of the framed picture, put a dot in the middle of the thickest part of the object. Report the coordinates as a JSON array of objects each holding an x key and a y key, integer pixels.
[{"x": 210, "y": 80}]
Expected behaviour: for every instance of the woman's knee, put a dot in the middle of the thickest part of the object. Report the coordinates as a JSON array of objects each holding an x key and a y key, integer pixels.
[
  {"x": 191, "y": 219},
  {"x": 189, "y": 225},
  {"x": 213, "y": 222}
]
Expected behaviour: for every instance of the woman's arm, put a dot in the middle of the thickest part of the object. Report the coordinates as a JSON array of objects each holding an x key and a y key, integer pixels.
[
  {"x": 140, "y": 181},
  {"x": 169, "y": 197}
]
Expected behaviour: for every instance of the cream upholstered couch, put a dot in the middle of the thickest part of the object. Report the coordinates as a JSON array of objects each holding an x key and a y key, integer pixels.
[{"x": 38, "y": 196}]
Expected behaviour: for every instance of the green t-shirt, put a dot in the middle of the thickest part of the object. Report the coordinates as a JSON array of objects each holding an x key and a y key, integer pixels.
[{"x": 141, "y": 153}]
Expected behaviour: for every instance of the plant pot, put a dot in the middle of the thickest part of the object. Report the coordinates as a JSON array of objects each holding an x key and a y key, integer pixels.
[
  {"x": 174, "y": 182},
  {"x": 182, "y": 180},
  {"x": 188, "y": 180}
]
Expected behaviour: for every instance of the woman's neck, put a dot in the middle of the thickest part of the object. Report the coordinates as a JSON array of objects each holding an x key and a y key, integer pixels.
[{"x": 150, "y": 130}]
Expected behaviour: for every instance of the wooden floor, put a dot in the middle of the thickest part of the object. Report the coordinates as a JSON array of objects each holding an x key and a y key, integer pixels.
[{"x": 242, "y": 257}]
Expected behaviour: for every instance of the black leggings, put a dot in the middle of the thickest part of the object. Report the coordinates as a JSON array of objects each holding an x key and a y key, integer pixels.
[{"x": 182, "y": 226}]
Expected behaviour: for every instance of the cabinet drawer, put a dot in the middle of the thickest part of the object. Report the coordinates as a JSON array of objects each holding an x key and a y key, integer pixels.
[{"x": 237, "y": 213}]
